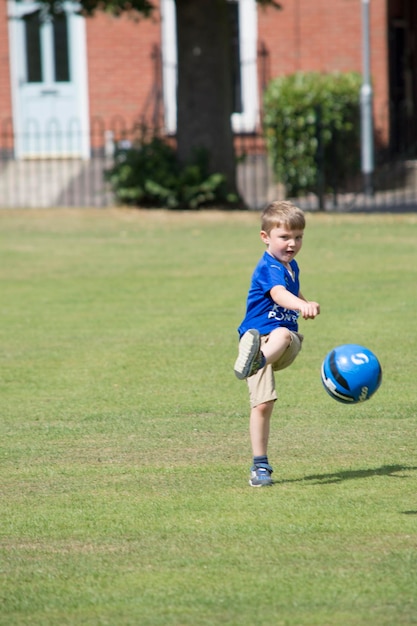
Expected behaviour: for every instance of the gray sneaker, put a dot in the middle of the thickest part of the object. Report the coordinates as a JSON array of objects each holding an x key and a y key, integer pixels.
[
  {"x": 250, "y": 358},
  {"x": 261, "y": 476}
]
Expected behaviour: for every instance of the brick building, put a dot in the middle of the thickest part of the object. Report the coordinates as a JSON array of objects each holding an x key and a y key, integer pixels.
[{"x": 82, "y": 77}]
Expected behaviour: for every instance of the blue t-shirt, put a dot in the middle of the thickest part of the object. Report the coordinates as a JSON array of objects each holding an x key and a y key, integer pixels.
[{"x": 262, "y": 312}]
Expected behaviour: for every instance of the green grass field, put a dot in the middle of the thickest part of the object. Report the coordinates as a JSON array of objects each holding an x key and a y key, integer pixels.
[{"x": 124, "y": 434}]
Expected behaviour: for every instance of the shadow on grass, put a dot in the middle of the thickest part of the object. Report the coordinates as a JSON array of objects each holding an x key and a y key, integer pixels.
[{"x": 338, "y": 477}]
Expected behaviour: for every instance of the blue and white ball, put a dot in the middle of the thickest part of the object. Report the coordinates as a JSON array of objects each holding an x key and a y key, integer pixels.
[{"x": 351, "y": 373}]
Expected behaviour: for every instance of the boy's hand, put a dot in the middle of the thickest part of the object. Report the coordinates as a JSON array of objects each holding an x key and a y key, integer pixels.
[{"x": 309, "y": 310}]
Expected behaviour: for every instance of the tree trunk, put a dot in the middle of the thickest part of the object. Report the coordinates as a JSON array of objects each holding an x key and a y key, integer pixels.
[{"x": 204, "y": 99}]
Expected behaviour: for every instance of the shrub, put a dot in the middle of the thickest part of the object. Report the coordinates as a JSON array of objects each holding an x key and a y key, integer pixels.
[
  {"x": 150, "y": 175},
  {"x": 312, "y": 130}
]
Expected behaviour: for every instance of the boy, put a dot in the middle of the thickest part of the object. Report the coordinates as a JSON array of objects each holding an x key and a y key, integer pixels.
[{"x": 269, "y": 337}]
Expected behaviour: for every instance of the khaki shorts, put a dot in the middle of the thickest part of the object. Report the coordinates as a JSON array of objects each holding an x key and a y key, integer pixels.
[{"x": 262, "y": 384}]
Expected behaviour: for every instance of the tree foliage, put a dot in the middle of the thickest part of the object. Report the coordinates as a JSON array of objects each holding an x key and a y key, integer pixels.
[
  {"x": 117, "y": 7},
  {"x": 312, "y": 128}
]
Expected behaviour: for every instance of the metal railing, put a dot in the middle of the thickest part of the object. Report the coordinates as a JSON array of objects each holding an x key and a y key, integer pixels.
[{"x": 62, "y": 181}]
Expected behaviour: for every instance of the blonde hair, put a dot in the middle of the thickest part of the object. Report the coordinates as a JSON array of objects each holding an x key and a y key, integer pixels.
[{"x": 282, "y": 213}]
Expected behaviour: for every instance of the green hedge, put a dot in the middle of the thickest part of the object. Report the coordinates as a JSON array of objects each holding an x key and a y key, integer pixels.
[
  {"x": 312, "y": 130},
  {"x": 149, "y": 175}
]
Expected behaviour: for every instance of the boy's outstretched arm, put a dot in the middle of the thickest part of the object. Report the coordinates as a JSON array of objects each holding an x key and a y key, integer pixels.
[{"x": 283, "y": 297}]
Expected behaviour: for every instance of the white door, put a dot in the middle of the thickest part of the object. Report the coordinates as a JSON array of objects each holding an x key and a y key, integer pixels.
[{"x": 49, "y": 81}]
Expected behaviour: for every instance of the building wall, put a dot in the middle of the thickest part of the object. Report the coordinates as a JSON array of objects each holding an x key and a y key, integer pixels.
[
  {"x": 123, "y": 67},
  {"x": 123, "y": 55},
  {"x": 5, "y": 95},
  {"x": 325, "y": 36}
]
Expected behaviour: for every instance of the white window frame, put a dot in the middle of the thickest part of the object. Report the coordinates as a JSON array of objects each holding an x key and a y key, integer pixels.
[{"x": 248, "y": 31}]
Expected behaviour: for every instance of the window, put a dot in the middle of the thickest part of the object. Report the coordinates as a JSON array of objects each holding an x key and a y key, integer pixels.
[
  {"x": 33, "y": 47},
  {"x": 244, "y": 45},
  {"x": 235, "y": 54},
  {"x": 61, "y": 56},
  {"x": 34, "y": 24}
]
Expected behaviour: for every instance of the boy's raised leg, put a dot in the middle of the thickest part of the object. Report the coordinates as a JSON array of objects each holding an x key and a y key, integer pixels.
[
  {"x": 250, "y": 358},
  {"x": 278, "y": 342}
]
